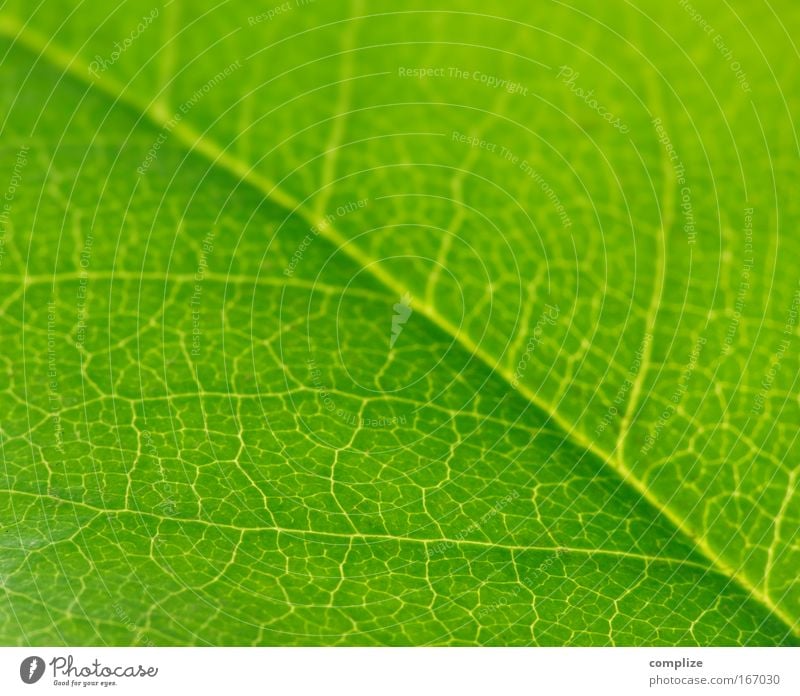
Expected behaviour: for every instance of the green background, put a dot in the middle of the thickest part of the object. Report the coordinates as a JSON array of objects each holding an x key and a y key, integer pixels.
[{"x": 204, "y": 433}]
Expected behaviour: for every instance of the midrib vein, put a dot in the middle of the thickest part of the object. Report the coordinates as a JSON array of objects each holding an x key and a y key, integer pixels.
[{"x": 196, "y": 142}]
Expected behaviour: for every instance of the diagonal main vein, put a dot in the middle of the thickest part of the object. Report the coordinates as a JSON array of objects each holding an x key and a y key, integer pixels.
[{"x": 199, "y": 143}]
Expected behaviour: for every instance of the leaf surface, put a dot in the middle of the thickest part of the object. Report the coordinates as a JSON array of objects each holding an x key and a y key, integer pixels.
[{"x": 354, "y": 325}]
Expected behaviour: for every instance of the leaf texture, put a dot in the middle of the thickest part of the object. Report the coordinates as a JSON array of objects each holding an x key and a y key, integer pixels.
[{"x": 346, "y": 324}]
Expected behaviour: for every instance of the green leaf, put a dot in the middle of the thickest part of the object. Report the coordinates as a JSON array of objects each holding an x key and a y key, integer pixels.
[{"x": 329, "y": 324}]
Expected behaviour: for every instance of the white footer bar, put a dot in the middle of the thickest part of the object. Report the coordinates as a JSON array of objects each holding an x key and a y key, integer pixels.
[{"x": 401, "y": 671}]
